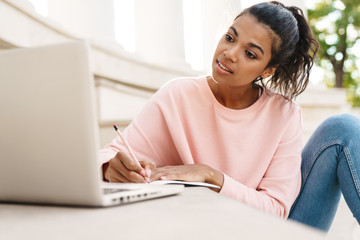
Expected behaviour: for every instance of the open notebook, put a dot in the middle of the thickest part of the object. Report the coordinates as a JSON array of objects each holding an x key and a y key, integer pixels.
[{"x": 188, "y": 184}]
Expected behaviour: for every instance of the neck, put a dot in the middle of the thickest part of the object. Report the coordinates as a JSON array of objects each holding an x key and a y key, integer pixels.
[{"x": 234, "y": 97}]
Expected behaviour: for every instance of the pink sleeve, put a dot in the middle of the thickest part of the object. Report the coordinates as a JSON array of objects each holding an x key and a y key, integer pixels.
[
  {"x": 146, "y": 134},
  {"x": 281, "y": 183}
]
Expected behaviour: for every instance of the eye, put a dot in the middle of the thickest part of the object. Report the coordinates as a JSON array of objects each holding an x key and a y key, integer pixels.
[
  {"x": 251, "y": 55},
  {"x": 229, "y": 38}
]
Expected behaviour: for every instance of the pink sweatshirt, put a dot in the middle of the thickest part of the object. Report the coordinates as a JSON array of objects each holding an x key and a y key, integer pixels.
[{"x": 258, "y": 149}]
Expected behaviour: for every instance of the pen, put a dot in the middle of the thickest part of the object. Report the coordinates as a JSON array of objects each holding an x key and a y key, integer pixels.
[{"x": 132, "y": 154}]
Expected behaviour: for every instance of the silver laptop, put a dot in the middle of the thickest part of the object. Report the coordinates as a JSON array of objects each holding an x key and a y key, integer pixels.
[{"x": 49, "y": 131}]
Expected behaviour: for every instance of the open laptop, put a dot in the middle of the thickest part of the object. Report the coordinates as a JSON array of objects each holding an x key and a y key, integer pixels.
[{"x": 49, "y": 131}]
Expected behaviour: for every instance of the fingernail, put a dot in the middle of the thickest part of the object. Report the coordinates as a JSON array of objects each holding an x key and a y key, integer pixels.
[
  {"x": 142, "y": 172},
  {"x": 162, "y": 177},
  {"x": 148, "y": 172}
]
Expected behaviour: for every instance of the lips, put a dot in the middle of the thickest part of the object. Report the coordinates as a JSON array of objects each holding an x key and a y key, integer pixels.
[{"x": 223, "y": 66}]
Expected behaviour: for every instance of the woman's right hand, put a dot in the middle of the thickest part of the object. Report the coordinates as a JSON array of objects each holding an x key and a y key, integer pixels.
[{"x": 122, "y": 168}]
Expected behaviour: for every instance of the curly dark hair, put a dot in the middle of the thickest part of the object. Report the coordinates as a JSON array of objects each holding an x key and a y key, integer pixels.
[{"x": 293, "y": 50}]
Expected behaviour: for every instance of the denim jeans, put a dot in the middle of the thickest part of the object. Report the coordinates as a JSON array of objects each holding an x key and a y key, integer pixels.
[{"x": 330, "y": 166}]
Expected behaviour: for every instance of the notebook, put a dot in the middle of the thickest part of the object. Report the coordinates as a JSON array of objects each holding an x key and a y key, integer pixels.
[
  {"x": 185, "y": 183},
  {"x": 49, "y": 131}
]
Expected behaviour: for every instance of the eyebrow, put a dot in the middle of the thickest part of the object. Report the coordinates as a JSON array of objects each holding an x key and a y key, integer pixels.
[
  {"x": 249, "y": 44},
  {"x": 256, "y": 46},
  {"x": 235, "y": 32}
]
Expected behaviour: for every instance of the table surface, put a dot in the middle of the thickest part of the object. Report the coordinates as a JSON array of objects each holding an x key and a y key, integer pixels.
[{"x": 196, "y": 213}]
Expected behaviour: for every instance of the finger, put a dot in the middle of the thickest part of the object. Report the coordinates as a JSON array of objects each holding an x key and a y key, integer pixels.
[
  {"x": 168, "y": 173},
  {"x": 115, "y": 176},
  {"x": 117, "y": 163},
  {"x": 159, "y": 178},
  {"x": 131, "y": 176},
  {"x": 129, "y": 163},
  {"x": 155, "y": 177},
  {"x": 114, "y": 170},
  {"x": 149, "y": 164},
  {"x": 148, "y": 171},
  {"x": 159, "y": 175},
  {"x": 148, "y": 167}
]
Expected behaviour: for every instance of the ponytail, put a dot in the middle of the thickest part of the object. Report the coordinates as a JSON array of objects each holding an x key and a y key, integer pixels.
[{"x": 294, "y": 49}]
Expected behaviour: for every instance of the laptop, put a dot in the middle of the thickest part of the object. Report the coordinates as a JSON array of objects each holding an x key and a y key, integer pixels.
[{"x": 49, "y": 131}]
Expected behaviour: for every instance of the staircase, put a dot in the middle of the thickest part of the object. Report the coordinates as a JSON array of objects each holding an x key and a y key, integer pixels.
[
  {"x": 123, "y": 81},
  {"x": 318, "y": 103}
]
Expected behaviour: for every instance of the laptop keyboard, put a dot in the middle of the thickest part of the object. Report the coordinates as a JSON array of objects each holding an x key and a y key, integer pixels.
[{"x": 113, "y": 190}]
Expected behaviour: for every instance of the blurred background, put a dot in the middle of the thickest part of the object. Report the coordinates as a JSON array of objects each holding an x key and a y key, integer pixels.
[{"x": 138, "y": 45}]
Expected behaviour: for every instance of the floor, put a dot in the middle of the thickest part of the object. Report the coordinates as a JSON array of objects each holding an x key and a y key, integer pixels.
[{"x": 344, "y": 227}]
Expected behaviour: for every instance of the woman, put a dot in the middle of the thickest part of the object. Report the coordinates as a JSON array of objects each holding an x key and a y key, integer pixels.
[{"x": 230, "y": 129}]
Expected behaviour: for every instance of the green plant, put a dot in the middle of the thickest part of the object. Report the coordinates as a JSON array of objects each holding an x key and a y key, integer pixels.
[{"x": 336, "y": 23}]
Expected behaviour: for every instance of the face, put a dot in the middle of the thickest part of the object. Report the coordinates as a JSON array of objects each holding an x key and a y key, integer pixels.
[{"x": 243, "y": 53}]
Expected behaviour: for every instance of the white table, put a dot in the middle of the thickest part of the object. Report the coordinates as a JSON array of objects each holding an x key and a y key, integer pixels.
[{"x": 196, "y": 213}]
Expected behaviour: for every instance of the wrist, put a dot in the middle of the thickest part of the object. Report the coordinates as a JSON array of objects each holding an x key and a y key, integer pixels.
[{"x": 214, "y": 177}]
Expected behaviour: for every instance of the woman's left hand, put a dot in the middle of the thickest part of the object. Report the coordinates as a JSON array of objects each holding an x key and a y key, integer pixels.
[{"x": 189, "y": 173}]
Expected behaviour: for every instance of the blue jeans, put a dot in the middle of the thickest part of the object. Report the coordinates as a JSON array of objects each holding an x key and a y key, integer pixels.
[{"x": 330, "y": 166}]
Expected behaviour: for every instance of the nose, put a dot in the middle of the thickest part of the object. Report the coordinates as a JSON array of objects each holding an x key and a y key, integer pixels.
[{"x": 232, "y": 53}]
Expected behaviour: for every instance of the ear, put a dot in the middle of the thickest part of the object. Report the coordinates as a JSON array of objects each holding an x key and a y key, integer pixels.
[{"x": 268, "y": 72}]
